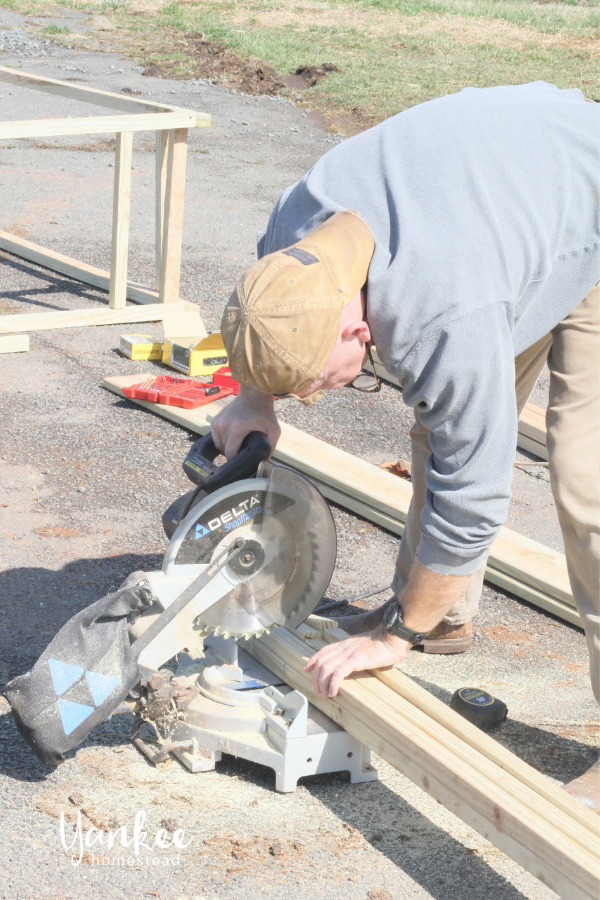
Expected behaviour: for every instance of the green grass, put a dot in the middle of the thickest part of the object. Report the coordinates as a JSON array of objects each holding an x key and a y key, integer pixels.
[
  {"x": 385, "y": 73},
  {"x": 391, "y": 53},
  {"x": 56, "y": 29}
]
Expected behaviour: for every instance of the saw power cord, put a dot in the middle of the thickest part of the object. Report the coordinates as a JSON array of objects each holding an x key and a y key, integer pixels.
[{"x": 326, "y": 603}]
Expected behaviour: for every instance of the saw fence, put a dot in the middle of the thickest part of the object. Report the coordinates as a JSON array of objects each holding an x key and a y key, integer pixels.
[
  {"x": 519, "y": 810},
  {"x": 171, "y": 126}
]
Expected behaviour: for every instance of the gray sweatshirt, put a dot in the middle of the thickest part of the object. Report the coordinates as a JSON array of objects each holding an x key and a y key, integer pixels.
[{"x": 485, "y": 214}]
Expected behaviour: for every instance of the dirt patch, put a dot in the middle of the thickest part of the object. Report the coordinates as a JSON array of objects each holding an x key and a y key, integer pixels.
[
  {"x": 503, "y": 633},
  {"x": 250, "y": 849},
  {"x": 215, "y": 63},
  {"x": 590, "y": 732},
  {"x": 53, "y": 802},
  {"x": 17, "y": 230},
  {"x": 92, "y": 147},
  {"x": 242, "y": 853},
  {"x": 103, "y": 763},
  {"x": 307, "y": 76},
  {"x": 57, "y": 531}
]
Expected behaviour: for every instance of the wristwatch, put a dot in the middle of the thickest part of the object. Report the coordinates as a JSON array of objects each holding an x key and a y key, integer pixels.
[{"x": 392, "y": 622}]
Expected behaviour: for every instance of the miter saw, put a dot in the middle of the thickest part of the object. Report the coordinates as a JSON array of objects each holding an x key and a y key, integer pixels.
[{"x": 252, "y": 547}]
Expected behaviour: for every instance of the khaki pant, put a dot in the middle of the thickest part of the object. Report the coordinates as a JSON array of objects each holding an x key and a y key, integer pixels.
[{"x": 572, "y": 351}]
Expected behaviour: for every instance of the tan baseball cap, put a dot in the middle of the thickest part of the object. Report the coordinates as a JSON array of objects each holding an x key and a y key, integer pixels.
[{"x": 282, "y": 320}]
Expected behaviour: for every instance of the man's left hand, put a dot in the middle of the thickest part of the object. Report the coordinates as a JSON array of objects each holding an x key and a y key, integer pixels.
[{"x": 375, "y": 650}]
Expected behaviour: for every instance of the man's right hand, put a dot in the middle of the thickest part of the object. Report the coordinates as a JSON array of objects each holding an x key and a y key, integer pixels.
[{"x": 249, "y": 411}]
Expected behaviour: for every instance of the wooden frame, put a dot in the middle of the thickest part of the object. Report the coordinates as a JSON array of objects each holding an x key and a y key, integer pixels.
[
  {"x": 516, "y": 563},
  {"x": 170, "y": 125}
]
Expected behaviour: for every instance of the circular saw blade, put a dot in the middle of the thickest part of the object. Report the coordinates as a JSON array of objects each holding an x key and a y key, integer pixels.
[{"x": 297, "y": 535}]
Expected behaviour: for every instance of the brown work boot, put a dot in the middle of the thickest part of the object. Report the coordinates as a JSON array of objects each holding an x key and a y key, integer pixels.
[
  {"x": 586, "y": 788},
  {"x": 446, "y": 638}
]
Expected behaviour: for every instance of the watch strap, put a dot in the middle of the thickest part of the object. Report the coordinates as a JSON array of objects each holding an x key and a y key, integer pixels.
[{"x": 394, "y": 624}]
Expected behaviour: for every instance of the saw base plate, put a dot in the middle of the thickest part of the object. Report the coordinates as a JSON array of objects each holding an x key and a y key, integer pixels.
[{"x": 295, "y": 739}]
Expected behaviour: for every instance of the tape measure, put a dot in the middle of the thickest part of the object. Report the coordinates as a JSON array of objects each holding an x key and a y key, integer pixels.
[{"x": 479, "y": 707}]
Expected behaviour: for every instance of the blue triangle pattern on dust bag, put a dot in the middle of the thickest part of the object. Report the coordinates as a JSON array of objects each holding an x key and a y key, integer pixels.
[
  {"x": 63, "y": 675},
  {"x": 72, "y": 714},
  {"x": 101, "y": 685}
]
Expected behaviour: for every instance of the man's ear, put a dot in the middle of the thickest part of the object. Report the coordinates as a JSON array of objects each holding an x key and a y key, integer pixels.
[{"x": 358, "y": 329}]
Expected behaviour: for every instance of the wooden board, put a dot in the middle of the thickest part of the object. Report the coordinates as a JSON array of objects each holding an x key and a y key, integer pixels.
[
  {"x": 77, "y": 318},
  {"x": 532, "y": 431},
  {"x": 117, "y": 293},
  {"x": 483, "y": 795},
  {"x": 96, "y": 125},
  {"x": 563, "y": 609},
  {"x": 532, "y": 423},
  {"x": 94, "y": 96},
  {"x": 361, "y": 486},
  {"x": 160, "y": 188},
  {"x": 66, "y": 265},
  {"x": 14, "y": 343},
  {"x": 173, "y": 216}
]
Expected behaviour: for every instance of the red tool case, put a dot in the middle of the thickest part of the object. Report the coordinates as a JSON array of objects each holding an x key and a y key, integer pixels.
[
  {"x": 171, "y": 391},
  {"x": 224, "y": 379}
]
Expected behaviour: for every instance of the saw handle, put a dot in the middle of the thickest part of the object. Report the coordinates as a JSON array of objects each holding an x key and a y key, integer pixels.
[{"x": 200, "y": 468}]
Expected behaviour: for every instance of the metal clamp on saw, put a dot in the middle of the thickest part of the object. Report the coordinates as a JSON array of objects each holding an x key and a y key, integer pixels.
[{"x": 252, "y": 547}]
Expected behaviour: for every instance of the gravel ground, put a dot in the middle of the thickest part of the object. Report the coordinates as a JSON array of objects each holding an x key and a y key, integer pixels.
[{"x": 84, "y": 478}]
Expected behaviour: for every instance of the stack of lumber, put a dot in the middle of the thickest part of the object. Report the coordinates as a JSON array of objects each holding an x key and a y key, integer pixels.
[
  {"x": 523, "y": 813},
  {"x": 532, "y": 424},
  {"x": 516, "y": 563}
]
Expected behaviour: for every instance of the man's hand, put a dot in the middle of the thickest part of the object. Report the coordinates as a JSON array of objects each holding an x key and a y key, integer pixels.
[
  {"x": 426, "y": 598},
  {"x": 375, "y": 650},
  {"x": 249, "y": 411}
]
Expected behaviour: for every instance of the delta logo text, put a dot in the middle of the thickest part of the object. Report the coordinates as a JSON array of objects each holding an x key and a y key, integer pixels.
[{"x": 231, "y": 518}]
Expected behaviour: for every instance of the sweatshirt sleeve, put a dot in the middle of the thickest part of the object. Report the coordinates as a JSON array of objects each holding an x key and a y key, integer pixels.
[{"x": 460, "y": 378}]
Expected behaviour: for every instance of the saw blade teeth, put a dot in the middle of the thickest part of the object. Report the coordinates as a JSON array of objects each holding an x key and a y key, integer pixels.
[{"x": 245, "y": 635}]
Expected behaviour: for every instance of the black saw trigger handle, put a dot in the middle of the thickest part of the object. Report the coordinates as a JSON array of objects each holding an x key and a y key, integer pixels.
[{"x": 200, "y": 468}]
